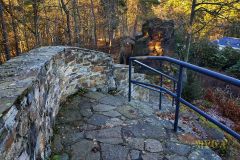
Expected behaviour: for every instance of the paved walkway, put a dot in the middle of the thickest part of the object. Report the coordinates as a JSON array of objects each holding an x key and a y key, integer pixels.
[{"x": 95, "y": 126}]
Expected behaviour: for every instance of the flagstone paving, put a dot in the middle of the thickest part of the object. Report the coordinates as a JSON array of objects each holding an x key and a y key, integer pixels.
[{"x": 98, "y": 126}]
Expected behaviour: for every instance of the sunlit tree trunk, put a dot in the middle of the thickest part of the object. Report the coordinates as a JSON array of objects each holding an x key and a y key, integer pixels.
[
  {"x": 135, "y": 26},
  {"x": 35, "y": 22},
  {"x": 125, "y": 25},
  {"x": 80, "y": 24},
  {"x": 14, "y": 26},
  {"x": 110, "y": 37},
  {"x": 76, "y": 22},
  {"x": 111, "y": 16},
  {"x": 55, "y": 34},
  {"x": 138, "y": 7},
  {"x": 4, "y": 33},
  {"x": 26, "y": 37},
  {"x": 47, "y": 35},
  {"x": 189, "y": 38},
  {"x": 189, "y": 34},
  {"x": 24, "y": 23},
  {"x": 94, "y": 24},
  {"x": 66, "y": 11}
]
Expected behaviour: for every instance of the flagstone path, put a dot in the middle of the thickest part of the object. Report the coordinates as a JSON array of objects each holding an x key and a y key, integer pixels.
[{"x": 96, "y": 126}]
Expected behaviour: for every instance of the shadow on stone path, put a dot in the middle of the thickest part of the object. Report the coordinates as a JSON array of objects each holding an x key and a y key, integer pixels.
[{"x": 97, "y": 126}]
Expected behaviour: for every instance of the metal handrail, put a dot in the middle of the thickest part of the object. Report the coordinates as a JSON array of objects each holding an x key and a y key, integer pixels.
[{"x": 177, "y": 95}]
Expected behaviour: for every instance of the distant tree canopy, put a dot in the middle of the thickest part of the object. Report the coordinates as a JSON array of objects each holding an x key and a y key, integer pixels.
[{"x": 25, "y": 24}]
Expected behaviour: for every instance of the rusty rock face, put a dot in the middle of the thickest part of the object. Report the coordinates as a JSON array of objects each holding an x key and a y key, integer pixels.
[{"x": 157, "y": 38}]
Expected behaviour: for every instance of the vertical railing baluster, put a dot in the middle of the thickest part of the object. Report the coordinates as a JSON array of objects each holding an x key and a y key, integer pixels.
[
  {"x": 174, "y": 86},
  {"x": 160, "y": 95},
  {"x": 161, "y": 83},
  {"x": 179, "y": 92},
  {"x": 130, "y": 80}
]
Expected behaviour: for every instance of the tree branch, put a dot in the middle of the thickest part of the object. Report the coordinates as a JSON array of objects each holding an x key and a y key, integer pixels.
[
  {"x": 217, "y": 3},
  {"x": 14, "y": 17}
]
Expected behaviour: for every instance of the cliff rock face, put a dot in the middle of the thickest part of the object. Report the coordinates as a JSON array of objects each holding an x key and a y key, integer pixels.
[{"x": 33, "y": 85}]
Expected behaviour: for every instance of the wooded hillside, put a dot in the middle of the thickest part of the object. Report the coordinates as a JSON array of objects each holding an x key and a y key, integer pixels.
[{"x": 98, "y": 24}]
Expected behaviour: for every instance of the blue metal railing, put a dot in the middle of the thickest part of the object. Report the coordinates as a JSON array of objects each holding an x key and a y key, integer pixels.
[{"x": 177, "y": 96}]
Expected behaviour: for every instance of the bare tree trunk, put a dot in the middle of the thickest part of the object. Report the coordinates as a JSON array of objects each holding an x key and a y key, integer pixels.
[
  {"x": 69, "y": 28},
  {"x": 135, "y": 26},
  {"x": 4, "y": 33},
  {"x": 66, "y": 11},
  {"x": 80, "y": 24},
  {"x": 55, "y": 34},
  {"x": 46, "y": 35},
  {"x": 189, "y": 34},
  {"x": 136, "y": 20},
  {"x": 189, "y": 39},
  {"x": 14, "y": 26},
  {"x": 1, "y": 59},
  {"x": 94, "y": 24},
  {"x": 124, "y": 25},
  {"x": 110, "y": 27},
  {"x": 25, "y": 34},
  {"x": 76, "y": 22},
  {"x": 35, "y": 22},
  {"x": 110, "y": 38}
]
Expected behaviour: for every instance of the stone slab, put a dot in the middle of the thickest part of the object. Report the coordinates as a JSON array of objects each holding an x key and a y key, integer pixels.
[
  {"x": 85, "y": 150},
  {"x": 94, "y": 95},
  {"x": 103, "y": 107},
  {"x": 180, "y": 149},
  {"x": 109, "y": 135},
  {"x": 153, "y": 145},
  {"x": 144, "y": 131},
  {"x": 111, "y": 113},
  {"x": 113, "y": 100},
  {"x": 114, "y": 152},
  {"x": 98, "y": 120},
  {"x": 203, "y": 154}
]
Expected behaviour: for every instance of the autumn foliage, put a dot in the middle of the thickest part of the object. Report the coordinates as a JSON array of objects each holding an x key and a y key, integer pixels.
[{"x": 226, "y": 104}]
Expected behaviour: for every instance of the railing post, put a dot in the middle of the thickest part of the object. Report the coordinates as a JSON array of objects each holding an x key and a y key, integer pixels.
[
  {"x": 174, "y": 86},
  {"x": 179, "y": 92},
  {"x": 161, "y": 83},
  {"x": 129, "y": 80},
  {"x": 160, "y": 95}
]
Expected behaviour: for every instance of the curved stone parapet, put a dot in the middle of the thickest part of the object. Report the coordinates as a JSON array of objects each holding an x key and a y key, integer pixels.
[{"x": 33, "y": 85}]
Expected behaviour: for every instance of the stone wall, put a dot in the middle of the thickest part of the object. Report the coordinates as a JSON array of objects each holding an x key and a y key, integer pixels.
[
  {"x": 33, "y": 85},
  {"x": 120, "y": 72}
]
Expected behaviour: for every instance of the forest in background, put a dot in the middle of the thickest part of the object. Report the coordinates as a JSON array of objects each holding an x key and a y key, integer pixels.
[{"x": 99, "y": 24}]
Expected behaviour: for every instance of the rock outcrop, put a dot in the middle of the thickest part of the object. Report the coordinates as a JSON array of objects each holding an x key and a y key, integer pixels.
[{"x": 157, "y": 38}]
